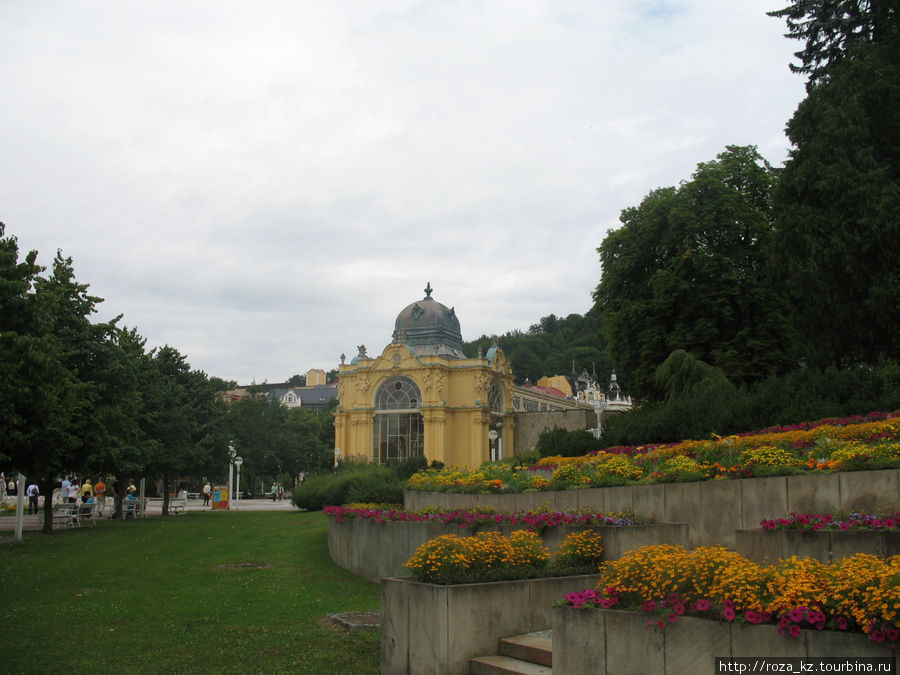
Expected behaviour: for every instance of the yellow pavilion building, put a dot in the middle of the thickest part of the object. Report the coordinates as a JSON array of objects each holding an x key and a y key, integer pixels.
[{"x": 422, "y": 397}]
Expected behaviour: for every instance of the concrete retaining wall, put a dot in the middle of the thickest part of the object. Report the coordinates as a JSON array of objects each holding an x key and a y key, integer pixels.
[
  {"x": 530, "y": 425},
  {"x": 713, "y": 509},
  {"x": 378, "y": 550},
  {"x": 426, "y": 628},
  {"x": 825, "y": 545},
  {"x": 591, "y": 641}
]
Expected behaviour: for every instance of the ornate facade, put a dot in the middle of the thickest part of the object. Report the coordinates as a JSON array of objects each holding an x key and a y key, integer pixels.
[{"x": 422, "y": 397}]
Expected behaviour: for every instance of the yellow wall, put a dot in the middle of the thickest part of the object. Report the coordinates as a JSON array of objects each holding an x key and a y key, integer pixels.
[
  {"x": 314, "y": 377},
  {"x": 455, "y": 407},
  {"x": 557, "y": 382}
]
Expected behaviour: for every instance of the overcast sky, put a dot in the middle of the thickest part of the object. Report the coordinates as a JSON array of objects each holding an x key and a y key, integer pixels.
[{"x": 266, "y": 185}]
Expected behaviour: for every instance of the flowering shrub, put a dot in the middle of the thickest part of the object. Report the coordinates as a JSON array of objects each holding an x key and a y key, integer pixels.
[
  {"x": 617, "y": 466},
  {"x": 489, "y": 556},
  {"x": 570, "y": 475},
  {"x": 580, "y": 549},
  {"x": 771, "y": 457},
  {"x": 859, "y": 593},
  {"x": 677, "y": 469}
]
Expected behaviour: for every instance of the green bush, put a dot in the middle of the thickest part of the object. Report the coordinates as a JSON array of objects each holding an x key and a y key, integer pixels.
[
  {"x": 718, "y": 407},
  {"x": 566, "y": 443},
  {"x": 351, "y": 483}
]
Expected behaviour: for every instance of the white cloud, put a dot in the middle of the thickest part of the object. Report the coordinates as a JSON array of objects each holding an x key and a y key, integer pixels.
[{"x": 265, "y": 187}]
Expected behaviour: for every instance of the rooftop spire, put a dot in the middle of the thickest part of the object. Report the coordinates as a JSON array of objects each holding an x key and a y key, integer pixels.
[{"x": 428, "y": 290}]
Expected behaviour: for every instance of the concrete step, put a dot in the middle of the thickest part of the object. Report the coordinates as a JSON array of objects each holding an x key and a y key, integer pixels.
[
  {"x": 528, "y": 654},
  {"x": 535, "y": 647},
  {"x": 492, "y": 665}
]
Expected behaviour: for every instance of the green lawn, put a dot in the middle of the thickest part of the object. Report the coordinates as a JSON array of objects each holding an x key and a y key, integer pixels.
[{"x": 166, "y": 595}]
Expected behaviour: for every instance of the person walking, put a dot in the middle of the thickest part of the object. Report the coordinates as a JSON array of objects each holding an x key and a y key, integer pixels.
[
  {"x": 207, "y": 491},
  {"x": 32, "y": 492}
]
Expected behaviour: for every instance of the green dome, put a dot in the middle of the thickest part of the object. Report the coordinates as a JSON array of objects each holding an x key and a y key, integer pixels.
[{"x": 429, "y": 327}]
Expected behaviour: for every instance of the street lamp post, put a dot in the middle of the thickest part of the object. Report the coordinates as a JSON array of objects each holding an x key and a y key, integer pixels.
[
  {"x": 499, "y": 428},
  {"x": 232, "y": 453},
  {"x": 492, "y": 437},
  {"x": 237, "y": 465},
  {"x": 598, "y": 408}
]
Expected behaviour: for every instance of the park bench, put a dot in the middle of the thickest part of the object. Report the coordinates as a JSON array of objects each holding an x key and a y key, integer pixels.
[
  {"x": 73, "y": 515},
  {"x": 67, "y": 516},
  {"x": 177, "y": 505}
]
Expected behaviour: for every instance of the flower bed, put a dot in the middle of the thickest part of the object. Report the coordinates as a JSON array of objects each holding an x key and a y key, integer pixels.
[
  {"x": 534, "y": 520},
  {"x": 614, "y": 641},
  {"x": 827, "y": 446},
  {"x": 713, "y": 510},
  {"x": 860, "y": 593},
  {"x": 375, "y": 544},
  {"x": 821, "y": 536},
  {"x": 490, "y": 556},
  {"x": 815, "y": 522}
]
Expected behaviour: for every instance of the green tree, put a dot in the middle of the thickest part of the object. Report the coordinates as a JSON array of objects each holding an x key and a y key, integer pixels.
[
  {"x": 688, "y": 271},
  {"x": 834, "y": 29},
  {"x": 186, "y": 431},
  {"x": 838, "y": 200},
  {"x": 48, "y": 349},
  {"x": 273, "y": 439}
]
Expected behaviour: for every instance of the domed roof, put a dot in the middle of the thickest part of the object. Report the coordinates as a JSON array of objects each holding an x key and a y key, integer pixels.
[{"x": 429, "y": 328}]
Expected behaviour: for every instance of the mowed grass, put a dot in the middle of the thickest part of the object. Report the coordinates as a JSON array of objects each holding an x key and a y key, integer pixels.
[{"x": 169, "y": 595}]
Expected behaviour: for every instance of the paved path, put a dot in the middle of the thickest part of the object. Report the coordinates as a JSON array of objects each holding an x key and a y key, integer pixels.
[{"x": 8, "y": 523}]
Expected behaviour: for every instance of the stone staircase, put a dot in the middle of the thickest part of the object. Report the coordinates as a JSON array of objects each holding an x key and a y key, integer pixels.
[{"x": 528, "y": 654}]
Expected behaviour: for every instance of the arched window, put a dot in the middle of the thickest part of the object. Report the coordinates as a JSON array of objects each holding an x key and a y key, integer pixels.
[
  {"x": 495, "y": 398},
  {"x": 398, "y": 430}
]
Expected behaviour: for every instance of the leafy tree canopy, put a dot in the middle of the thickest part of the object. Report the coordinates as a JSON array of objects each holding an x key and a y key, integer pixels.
[{"x": 688, "y": 270}]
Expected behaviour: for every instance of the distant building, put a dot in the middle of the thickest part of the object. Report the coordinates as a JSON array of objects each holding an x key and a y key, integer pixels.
[
  {"x": 306, "y": 397},
  {"x": 315, "y": 377},
  {"x": 316, "y": 397},
  {"x": 558, "y": 382}
]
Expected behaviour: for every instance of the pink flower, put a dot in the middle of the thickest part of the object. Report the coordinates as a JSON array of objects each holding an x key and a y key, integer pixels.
[
  {"x": 794, "y": 631},
  {"x": 753, "y": 616},
  {"x": 841, "y": 623},
  {"x": 892, "y": 634},
  {"x": 728, "y": 613},
  {"x": 796, "y": 614}
]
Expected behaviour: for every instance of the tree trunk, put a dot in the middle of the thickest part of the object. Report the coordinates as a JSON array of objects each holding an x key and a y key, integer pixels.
[
  {"x": 46, "y": 488},
  {"x": 165, "y": 508}
]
